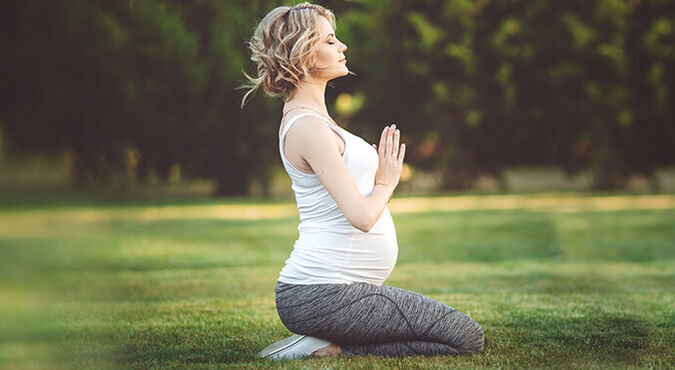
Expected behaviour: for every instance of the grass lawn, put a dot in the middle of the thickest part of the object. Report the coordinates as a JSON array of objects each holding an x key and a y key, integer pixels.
[{"x": 556, "y": 280}]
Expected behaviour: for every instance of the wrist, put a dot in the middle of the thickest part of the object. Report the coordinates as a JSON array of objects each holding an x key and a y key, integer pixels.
[{"x": 386, "y": 187}]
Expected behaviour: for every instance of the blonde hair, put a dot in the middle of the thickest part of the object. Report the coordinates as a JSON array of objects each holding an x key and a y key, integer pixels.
[{"x": 283, "y": 47}]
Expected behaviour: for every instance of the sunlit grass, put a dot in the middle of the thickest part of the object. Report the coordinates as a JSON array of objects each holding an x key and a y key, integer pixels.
[
  {"x": 582, "y": 282},
  {"x": 25, "y": 220},
  {"x": 552, "y": 202}
]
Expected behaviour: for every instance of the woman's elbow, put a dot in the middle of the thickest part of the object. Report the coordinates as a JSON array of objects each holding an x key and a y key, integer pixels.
[
  {"x": 361, "y": 217},
  {"x": 363, "y": 224},
  {"x": 364, "y": 228}
]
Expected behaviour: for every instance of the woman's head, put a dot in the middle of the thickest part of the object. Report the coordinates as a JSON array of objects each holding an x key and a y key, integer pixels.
[{"x": 292, "y": 44}]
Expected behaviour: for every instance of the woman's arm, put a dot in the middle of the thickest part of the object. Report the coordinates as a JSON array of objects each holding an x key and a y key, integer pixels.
[{"x": 316, "y": 144}]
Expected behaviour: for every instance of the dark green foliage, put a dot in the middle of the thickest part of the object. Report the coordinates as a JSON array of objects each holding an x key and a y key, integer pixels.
[
  {"x": 475, "y": 85},
  {"x": 479, "y": 85}
]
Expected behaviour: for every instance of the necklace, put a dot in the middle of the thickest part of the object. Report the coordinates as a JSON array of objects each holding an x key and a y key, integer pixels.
[{"x": 313, "y": 110}]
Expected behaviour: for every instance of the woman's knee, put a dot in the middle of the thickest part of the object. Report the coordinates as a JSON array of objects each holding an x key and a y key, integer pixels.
[
  {"x": 463, "y": 333},
  {"x": 473, "y": 336}
]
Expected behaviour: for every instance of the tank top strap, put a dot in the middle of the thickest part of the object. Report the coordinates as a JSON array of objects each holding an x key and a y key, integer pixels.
[
  {"x": 294, "y": 119},
  {"x": 290, "y": 166}
]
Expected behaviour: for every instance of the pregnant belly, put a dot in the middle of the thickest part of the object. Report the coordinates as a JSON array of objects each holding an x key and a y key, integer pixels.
[
  {"x": 372, "y": 256},
  {"x": 347, "y": 255}
]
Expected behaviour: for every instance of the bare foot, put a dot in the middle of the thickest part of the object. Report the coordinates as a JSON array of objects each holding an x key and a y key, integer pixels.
[{"x": 329, "y": 350}]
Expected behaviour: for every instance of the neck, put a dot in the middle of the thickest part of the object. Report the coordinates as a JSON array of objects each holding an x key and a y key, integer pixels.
[{"x": 310, "y": 94}]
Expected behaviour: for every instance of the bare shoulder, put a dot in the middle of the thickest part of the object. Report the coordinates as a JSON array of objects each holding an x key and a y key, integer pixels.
[
  {"x": 311, "y": 132},
  {"x": 310, "y": 123}
]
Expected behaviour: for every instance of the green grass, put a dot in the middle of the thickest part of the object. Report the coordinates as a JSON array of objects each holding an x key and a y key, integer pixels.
[{"x": 566, "y": 280}]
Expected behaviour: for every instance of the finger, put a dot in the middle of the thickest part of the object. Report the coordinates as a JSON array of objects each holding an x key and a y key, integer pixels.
[
  {"x": 383, "y": 141},
  {"x": 401, "y": 154},
  {"x": 397, "y": 136},
  {"x": 390, "y": 143}
]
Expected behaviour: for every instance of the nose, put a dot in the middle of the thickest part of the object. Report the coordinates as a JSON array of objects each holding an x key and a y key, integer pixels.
[{"x": 344, "y": 48}]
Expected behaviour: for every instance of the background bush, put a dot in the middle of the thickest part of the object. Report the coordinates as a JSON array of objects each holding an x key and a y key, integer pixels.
[{"x": 476, "y": 86}]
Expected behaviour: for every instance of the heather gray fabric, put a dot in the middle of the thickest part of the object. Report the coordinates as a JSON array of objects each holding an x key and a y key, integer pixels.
[{"x": 365, "y": 318}]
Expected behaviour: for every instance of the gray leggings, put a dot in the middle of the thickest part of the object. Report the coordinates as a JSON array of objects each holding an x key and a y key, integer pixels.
[{"x": 365, "y": 318}]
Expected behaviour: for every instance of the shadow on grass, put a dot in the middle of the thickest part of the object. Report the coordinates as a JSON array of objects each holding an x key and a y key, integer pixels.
[
  {"x": 159, "y": 346},
  {"x": 539, "y": 341},
  {"x": 597, "y": 338}
]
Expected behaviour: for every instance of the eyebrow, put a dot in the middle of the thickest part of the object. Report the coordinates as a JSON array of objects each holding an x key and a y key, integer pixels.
[{"x": 329, "y": 35}]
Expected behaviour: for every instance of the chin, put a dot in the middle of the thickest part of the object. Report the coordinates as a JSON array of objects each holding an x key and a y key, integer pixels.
[
  {"x": 343, "y": 72},
  {"x": 337, "y": 73}
]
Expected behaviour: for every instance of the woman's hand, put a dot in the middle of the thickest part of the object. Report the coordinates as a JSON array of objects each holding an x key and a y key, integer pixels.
[{"x": 391, "y": 158}]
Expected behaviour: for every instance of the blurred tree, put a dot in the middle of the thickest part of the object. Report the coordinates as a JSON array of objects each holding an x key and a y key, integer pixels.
[
  {"x": 144, "y": 87},
  {"x": 102, "y": 78},
  {"x": 481, "y": 85}
]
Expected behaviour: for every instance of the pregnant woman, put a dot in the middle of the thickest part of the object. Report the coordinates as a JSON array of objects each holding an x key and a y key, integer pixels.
[{"x": 330, "y": 293}]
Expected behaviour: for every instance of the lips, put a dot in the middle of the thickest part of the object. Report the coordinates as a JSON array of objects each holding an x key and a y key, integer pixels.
[{"x": 342, "y": 60}]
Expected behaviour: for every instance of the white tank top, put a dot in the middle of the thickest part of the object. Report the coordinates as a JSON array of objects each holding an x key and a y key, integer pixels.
[{"x": 329, "y": 249}]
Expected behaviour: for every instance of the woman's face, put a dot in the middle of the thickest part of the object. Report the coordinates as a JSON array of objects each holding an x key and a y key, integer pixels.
[{"x": 331, "y": 61}]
